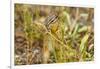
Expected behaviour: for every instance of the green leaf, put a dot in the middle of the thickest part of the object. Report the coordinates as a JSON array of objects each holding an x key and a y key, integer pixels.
[
  {"x": 76, "y": 29},
  {"x": 83, "y": 29},
  {"x": 83, "y": 42}
]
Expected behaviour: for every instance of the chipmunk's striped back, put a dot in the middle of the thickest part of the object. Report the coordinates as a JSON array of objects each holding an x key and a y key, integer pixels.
[{"x": 50, "y": 20}]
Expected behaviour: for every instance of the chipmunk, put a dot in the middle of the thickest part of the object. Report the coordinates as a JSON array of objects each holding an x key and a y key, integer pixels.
[
  {"x": 52, "y": 26},
  {"x": 51, "y": 22}
]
